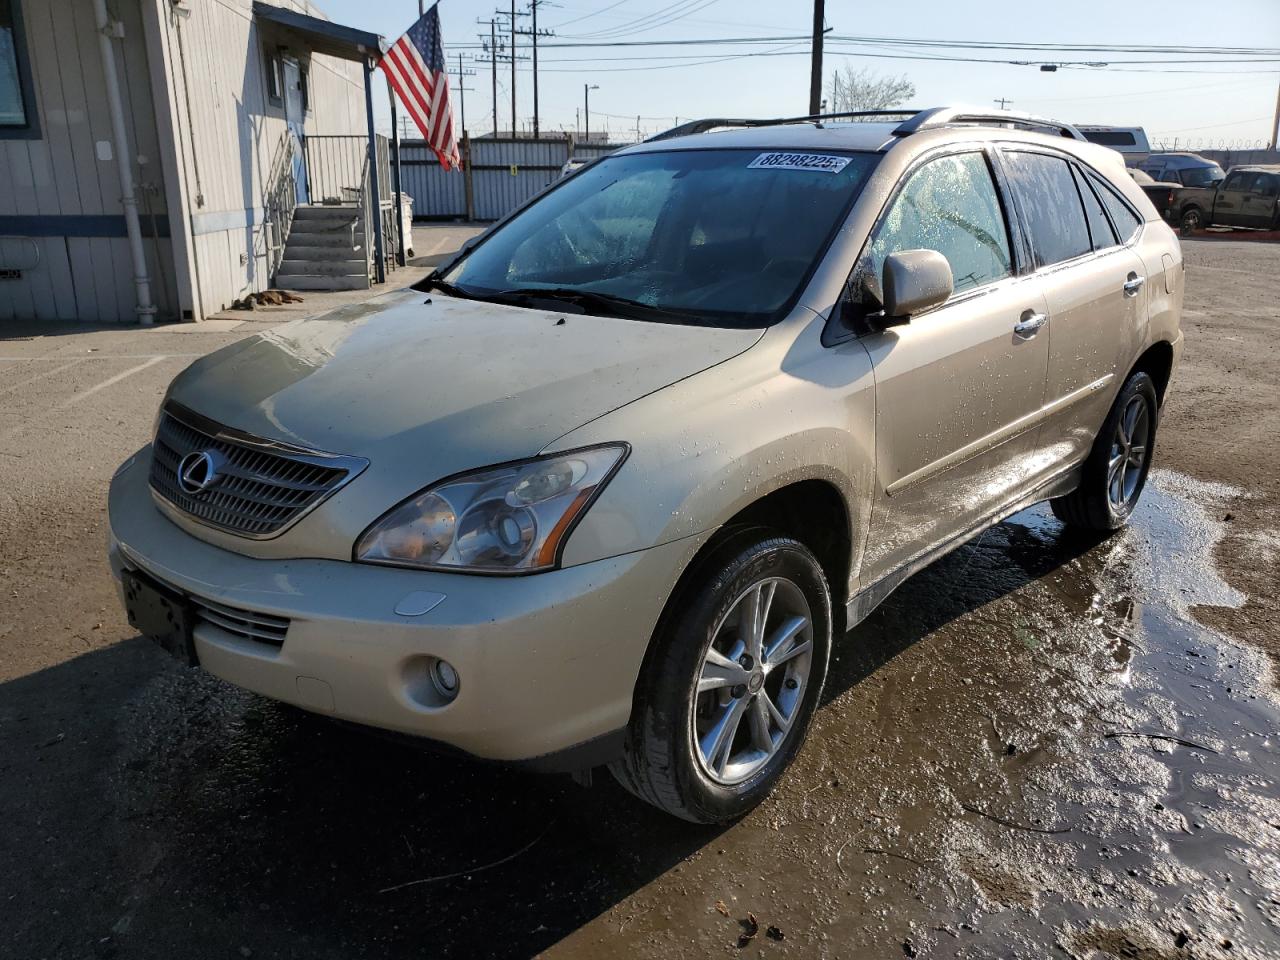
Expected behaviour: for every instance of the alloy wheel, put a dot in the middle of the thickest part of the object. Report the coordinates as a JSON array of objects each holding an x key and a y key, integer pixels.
[
  {"x": 1128, "y": 452},
  {"x": 753, "y": 680}
]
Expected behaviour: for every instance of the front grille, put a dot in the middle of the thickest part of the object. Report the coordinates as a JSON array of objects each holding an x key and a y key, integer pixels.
[
  {"x": 262, "y": 486},
  {"x": 247, "y": 624}
]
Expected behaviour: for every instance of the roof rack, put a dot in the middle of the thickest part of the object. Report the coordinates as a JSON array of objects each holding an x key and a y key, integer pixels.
[
  {"x": 715, "y": 123},
  {"x": 948, "y": 116},
  {"x": 917, "y": 120}
]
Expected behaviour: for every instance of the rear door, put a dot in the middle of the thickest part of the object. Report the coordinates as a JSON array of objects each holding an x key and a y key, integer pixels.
[
  {"x": 1229, "y": 205},
  {"x": 957, "y": 389},
  {"x": 1081, "y": 234}
]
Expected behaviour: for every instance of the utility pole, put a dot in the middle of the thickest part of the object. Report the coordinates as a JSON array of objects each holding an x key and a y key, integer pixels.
[
  {"x": 1002, "y": 101},
  {"x": 533, "y": 33},
  {"x": 586, "y": 110},
  {"x": 462, "y": 89},
  {"x": 1275, "y": 121},
  {"x": 815, "y": 67},
  {"x": 493, "y": 55}
]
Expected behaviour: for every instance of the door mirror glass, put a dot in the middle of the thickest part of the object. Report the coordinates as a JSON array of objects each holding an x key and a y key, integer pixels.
[{"x": 913, "y": 281}]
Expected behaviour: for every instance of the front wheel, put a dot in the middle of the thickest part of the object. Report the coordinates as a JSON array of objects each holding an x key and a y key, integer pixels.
[
  {"x": 1113, "y": 477},
  {"x": 727, "y": 693}
]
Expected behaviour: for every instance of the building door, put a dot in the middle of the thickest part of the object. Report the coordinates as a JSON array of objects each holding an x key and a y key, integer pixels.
[{"x": 295, "y": 114}]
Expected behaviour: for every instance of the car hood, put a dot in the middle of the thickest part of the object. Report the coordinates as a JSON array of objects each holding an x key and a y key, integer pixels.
[{"x": 427, "y": 389}]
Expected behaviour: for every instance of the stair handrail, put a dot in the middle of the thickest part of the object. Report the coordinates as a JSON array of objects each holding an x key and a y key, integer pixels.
[
  {"x": 281, "y": 201},
  {"x": 366, "y": 203}
]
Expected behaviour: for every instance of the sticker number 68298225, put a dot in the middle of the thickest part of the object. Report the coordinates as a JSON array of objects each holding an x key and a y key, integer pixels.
[{"x": 818, "y": 162}]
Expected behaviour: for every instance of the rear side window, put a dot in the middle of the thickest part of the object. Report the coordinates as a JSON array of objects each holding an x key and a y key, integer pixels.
[
  {"x": 948, "y": 205},
  {"x": 1051, "y": 206},
  {"x": 1267, "y": 185},
  {"x": 1100, "y": 231},
  {"x": 1126, "y": 221}
]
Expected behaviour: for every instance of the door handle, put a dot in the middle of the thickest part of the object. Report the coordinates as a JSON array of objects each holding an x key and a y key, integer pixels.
[
  {"x": 1133, "y": 285},
  {"x": 1029, "y": 324}
]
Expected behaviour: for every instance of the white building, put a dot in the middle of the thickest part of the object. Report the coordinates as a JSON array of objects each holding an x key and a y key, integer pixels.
[{"x": 157, "y": 156}]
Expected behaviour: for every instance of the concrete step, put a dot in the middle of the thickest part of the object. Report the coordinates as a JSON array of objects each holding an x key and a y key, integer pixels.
[
  {"x": 327, "y": 268},
  {"x": 311, "y": 282},
  {"x": 321, "y": 211},
  {"x": 336, "y": 238},
  {"x": 306, "y": 251},
  {"x": 329, "y": 225}
]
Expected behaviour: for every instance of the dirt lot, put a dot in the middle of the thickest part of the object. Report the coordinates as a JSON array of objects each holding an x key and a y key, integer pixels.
[{"x": 1039, "y": 746}]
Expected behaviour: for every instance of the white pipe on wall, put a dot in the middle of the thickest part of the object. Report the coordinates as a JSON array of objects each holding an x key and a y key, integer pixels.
[{"x": 145, "y": 309}]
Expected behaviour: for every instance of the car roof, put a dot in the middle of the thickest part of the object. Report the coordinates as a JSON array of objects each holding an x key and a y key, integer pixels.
[
  {"x": 1256, "y": 168},
  {"x": 791, "y": 136},
  {"x": 1199, "y": 160}
]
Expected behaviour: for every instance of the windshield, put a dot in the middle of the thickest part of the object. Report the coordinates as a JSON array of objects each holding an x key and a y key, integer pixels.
[
  {"x": 1202, "y": 176},
  {"x": 723, "y": 237}
]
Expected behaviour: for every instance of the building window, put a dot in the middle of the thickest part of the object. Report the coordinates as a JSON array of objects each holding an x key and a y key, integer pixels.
[
  {"x": 17, "y": 103},
  {"x": 275, "y": 76},
  {"x": 304, "y": 86}
]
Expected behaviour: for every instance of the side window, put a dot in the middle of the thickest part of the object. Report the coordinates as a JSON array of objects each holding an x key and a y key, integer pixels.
[
  {"x": 17, "y": 96},
  {"x": 1267, "y": 185},
  {"x": 275, "y": 77},
  {"x": 1100, "y": 231},
  {"x": 948, "y": 205},
  {"x": 1126, "y": 221},
  {"x": 1051, "y": 205},
  {"x": 1234, "y": 182}
]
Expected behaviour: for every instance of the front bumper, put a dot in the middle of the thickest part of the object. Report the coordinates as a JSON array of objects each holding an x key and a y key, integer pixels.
[{"x": 547, "y": 663}]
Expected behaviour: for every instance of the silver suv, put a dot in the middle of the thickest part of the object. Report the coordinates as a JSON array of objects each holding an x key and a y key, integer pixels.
[{"x": 610, "y": 492}]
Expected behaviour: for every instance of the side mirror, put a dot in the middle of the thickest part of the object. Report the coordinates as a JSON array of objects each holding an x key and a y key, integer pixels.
[{"x": 912, "y": 282}]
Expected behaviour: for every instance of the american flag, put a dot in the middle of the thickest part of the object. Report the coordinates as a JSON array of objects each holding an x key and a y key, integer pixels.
[{"x": 415, "y": 67}]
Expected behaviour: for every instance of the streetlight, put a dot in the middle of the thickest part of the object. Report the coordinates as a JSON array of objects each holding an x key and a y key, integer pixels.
[{"x": 586, "y": 110}]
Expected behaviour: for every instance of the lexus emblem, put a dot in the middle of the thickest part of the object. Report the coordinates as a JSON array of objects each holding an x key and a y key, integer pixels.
[{"x": 199, "y": 471}]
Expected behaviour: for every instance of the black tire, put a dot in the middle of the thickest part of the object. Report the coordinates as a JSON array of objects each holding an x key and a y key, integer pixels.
[
  {"x": 1091, "y": 506},
  {"x": 1190, "y": 221},
  {"x": 659, "y": 764}
]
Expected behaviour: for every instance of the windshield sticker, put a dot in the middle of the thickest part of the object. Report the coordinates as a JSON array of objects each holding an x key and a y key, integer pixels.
[{"x": 799, "y": 161}]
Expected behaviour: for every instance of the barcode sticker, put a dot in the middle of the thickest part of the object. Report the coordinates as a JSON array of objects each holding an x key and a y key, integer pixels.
[{"x": 819, "y": 162}]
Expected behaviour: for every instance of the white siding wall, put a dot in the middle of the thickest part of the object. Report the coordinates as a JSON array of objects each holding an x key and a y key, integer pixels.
[
  {"x": 231, "y": 131},
  {"x": 59, "y": 175},
  {"x": 225, "y": 126}
]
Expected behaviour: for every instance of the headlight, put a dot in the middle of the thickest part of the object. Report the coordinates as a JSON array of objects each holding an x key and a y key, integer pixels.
[{"x": 508, "y": 519}]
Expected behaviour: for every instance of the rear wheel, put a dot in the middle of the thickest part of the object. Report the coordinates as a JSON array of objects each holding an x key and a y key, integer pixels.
[
  {"x": 1192, "y": 220},
  {"x": 728, "y": 691},
  {"x": 1116, "y": 471}
]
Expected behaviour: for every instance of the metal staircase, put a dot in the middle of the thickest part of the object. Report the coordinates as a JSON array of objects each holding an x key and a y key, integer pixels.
[{"x": 326, "y": 249}]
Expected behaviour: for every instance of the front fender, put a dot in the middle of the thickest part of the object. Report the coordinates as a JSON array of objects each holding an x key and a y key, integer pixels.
[{"x": 706, "y": 448}]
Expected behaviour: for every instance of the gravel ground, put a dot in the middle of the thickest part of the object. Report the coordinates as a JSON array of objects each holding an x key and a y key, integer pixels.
[{"x": 1038, "y": 746}]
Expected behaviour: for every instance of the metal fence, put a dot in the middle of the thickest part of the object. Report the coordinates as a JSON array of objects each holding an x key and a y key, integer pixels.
[
  {"x": 336, "y": 164},
  {"x": 502, "y": 174}
]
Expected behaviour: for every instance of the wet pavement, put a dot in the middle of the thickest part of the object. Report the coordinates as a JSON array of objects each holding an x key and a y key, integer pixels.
[{"x": 1032, "y": 749}]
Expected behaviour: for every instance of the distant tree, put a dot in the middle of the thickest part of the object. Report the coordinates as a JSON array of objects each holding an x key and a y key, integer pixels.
[{"x": 852, "y": 90}]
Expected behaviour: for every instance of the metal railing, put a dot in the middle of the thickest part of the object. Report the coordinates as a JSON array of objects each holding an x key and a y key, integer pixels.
[
  {"x": 338, "y": 172},
  {"x": 281, "y": 199}
]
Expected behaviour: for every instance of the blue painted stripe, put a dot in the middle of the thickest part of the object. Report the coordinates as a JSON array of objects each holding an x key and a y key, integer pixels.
[{"x": 86, "y": 225}]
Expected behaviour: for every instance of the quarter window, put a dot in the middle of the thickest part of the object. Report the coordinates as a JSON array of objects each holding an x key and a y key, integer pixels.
[
  {"x": 1051, "y": 206},
  {"x": 948, "y": 205},
  {"x": 1100, "y": 231},
  {"x": 1126, "y": 221}
]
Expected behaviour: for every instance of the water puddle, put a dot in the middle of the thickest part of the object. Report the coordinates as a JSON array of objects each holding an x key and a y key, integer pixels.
[{"x": 1032, "y": 749}]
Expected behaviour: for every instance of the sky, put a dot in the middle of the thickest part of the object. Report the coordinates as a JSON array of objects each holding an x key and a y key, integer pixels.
[{"x": 1205, "y": 105}]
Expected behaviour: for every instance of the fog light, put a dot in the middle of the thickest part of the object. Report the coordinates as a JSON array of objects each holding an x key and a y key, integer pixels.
[{"x": 445, "y": 679}]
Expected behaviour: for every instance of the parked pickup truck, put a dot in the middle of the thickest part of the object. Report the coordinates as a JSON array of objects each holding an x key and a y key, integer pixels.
[{"x": 1249, "y": 197}]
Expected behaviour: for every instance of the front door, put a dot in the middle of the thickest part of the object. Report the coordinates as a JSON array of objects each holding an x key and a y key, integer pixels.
[
  {"x": 1229, "y": 206},
  {"x": 957, "y": 389},
  {"x": 295, "y": 114}
]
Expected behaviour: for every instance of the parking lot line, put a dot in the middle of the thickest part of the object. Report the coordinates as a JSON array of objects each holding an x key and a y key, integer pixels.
[{"x": 111, "y": 381}]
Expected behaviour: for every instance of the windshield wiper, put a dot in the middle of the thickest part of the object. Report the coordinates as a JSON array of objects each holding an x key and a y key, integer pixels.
[
  {"x": 591, "y": 302},
  {"x": 436, "y": 282}
]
